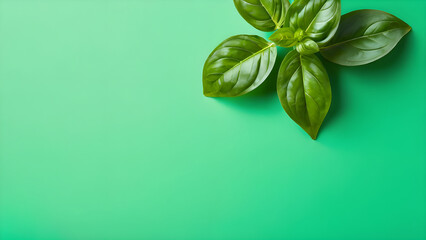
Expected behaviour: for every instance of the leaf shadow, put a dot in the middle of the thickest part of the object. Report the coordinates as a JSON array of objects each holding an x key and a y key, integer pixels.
[
  {"x": 337, "y": 99},
  {"x": 388, "y": 63}
]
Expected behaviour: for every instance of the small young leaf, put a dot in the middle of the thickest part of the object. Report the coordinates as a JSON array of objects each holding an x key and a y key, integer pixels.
[
  {"x": 284, "y": 37},
  {"x": 299, "y": 34},
  {"x": 307, "y": 47},
  {"x": 264, "y": 15},
  {"x": 319, "y": 19},
  {"x": 304, "y": 90},
  {"x": 238, "y": 65},
  {"x": 364, "y": 36}
]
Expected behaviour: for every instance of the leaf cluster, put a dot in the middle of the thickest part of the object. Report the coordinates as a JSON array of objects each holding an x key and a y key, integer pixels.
[{"x": 241, "y": 63}]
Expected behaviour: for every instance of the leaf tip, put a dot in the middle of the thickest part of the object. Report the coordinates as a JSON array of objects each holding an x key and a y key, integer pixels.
[
  {"x": 313, "y": 131},
  {"x": 314, "y": 135}
]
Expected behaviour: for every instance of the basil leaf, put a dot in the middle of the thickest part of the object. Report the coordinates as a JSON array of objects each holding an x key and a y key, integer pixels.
[
  {"x": 365, "y": 36},
  {"x": 304, "y": 90},
  {"x": 307, "y": 47},
  {"x": 238, "y": 65},
  {"x": 264, "y": 15},
  {"x": 284, "y": 37},
  {"x": 319, "y": 19}
]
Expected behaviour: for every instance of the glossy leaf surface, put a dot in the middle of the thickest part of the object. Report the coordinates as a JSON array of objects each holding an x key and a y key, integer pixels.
[
  {"x": 284, "y": 37},
  {"x": 364, "y": 36},
  {"x": 264, "y": 15},
  {"x": 304, "y": 90},
  {"x": 318, "y": 19},
  {"x": 307, "y": 47},
  {"x": 238, "y": 65}
]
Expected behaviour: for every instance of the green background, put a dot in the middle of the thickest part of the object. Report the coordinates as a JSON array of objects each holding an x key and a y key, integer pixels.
[{"x": 105, "y": 133}]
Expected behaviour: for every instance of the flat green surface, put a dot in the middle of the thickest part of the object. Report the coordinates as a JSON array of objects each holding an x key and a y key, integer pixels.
[{"x": 105, "y": 133}]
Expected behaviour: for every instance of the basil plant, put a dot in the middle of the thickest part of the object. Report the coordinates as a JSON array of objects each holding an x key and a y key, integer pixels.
[{"x": 241, "y": 63}]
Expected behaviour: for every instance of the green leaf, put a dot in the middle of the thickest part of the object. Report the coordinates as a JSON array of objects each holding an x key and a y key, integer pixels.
[
  {"x": 364, "y": 36},
  {"x": 319, "y": 19},
  {"x": 307, "y": 47},
  {"x": 264, "y": 15},
  {"x": 284, "y": 37},
  {"x": 304, "y": 90},
  {"x": 238, "y": 65}
]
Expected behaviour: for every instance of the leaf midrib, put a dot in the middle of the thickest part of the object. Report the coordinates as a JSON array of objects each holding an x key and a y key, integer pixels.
[
  {"x": 361, "y": 37},
  {"x": 248, "y": 58},
  {"x": 315, "y": 18},
  {"x": 304, "y": 93},
  {"x": 273, "y": 20}
]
